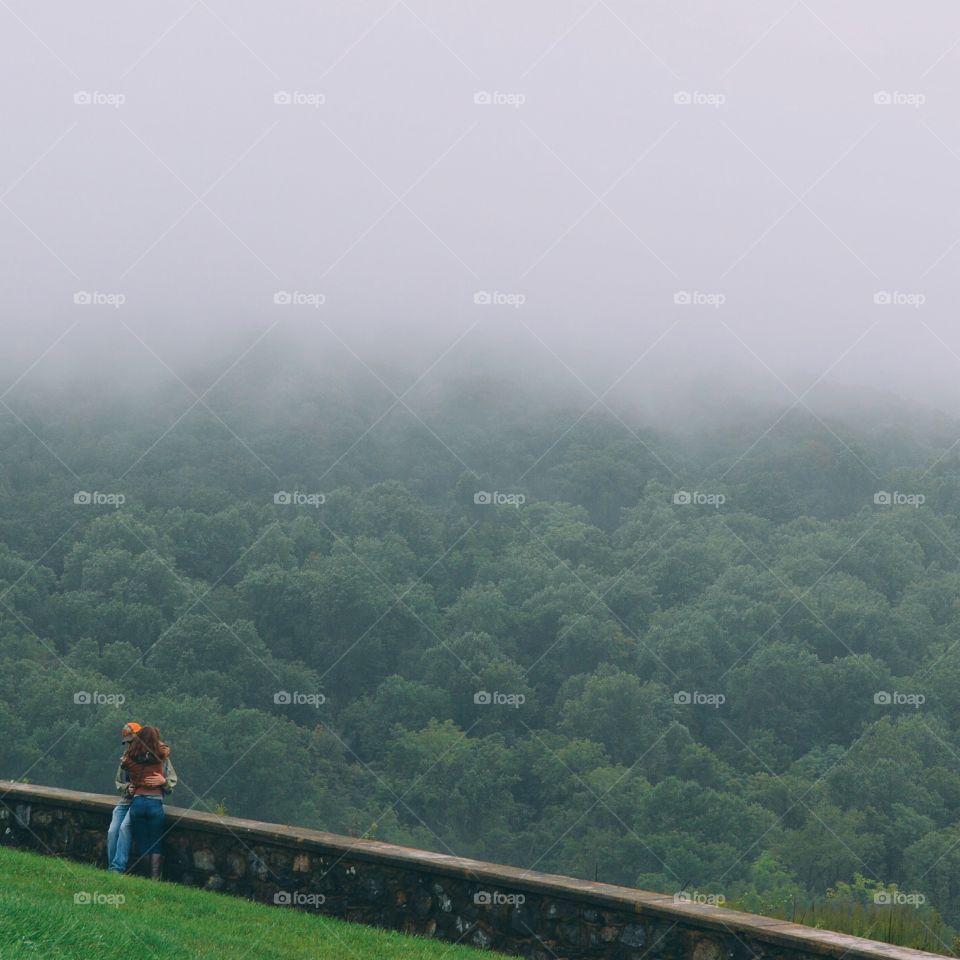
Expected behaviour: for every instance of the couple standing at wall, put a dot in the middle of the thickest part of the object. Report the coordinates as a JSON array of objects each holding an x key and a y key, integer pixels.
[{"x": 144, "y": 777}]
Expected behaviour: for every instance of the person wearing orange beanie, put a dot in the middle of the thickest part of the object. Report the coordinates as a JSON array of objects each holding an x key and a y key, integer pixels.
[{"x": 119, "y": 834}]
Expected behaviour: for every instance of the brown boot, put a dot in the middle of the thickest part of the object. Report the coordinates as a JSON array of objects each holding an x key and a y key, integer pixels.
[{"x": 156, "y": 866}]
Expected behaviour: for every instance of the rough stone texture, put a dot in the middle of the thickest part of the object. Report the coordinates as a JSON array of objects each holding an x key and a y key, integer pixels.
[{"x": 535, "y": 915}]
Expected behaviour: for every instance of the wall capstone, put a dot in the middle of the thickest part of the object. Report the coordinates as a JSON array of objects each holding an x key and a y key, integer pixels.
[{"x": 535, "y": 915}]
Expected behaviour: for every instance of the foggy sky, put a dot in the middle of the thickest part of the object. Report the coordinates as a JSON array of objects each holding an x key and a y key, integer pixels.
[{"x": 583, "y": 188}]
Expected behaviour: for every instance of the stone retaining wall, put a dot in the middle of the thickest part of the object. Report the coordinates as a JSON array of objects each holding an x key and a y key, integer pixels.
[{"x": 485, "y": 905}]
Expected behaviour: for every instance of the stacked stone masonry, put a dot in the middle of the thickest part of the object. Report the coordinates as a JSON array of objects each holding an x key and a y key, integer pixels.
[{"x": 522, "y": 912}]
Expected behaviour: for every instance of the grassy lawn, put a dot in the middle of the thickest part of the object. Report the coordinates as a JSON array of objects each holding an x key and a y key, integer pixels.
[{"x": 40, "y": 918}]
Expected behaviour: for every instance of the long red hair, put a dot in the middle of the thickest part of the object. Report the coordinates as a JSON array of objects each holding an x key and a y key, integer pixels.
[{"x": 146, "y": 742}]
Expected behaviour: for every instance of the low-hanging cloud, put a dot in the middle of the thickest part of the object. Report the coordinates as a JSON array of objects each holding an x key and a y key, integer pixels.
[{"x": 624, "y": 197}]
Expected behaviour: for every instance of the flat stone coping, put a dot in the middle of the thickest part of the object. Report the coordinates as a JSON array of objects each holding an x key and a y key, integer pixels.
[{"x": 603, "y": 895}]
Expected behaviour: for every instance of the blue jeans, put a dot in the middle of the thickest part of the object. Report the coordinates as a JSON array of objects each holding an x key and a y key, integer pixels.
[
  {"x": 119, "y": 838},
  {"x": 146, "y": 817}
]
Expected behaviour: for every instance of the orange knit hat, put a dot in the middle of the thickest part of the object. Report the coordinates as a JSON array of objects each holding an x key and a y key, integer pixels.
[{"x": 129, "y": 729}]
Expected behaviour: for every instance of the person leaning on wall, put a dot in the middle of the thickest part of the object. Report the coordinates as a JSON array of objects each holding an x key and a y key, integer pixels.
[{"x": 146, "y": 775}]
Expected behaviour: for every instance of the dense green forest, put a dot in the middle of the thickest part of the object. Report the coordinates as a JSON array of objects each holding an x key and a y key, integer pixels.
[{"x": 488, "y": 623}]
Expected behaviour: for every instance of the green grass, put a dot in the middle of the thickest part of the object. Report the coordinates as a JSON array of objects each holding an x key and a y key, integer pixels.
[
  {"x": 39, "y": 918},
  {"x": 850, "y": 908}
]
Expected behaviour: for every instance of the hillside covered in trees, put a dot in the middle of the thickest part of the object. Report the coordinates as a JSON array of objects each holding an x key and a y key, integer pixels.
[{"x": 721, "y": 660}]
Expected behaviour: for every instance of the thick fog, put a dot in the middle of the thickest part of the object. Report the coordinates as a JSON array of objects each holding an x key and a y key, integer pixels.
[{"x": 620, "y": 196}]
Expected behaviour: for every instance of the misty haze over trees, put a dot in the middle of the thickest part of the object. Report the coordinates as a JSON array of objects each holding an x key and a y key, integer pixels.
[{"x": 569, "y": 667}]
